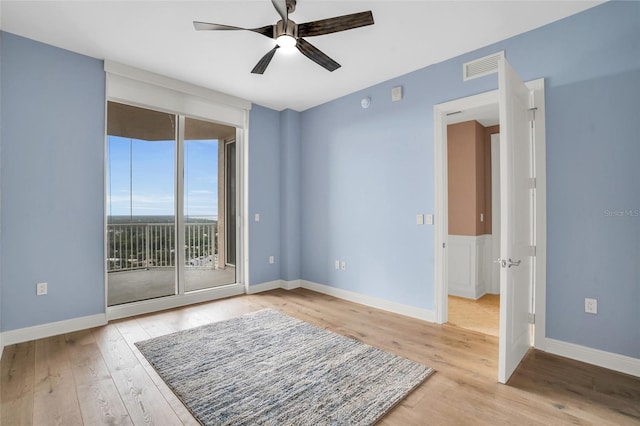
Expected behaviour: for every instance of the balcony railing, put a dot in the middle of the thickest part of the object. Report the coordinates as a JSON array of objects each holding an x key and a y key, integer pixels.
[{"x": 145, "y": 245}]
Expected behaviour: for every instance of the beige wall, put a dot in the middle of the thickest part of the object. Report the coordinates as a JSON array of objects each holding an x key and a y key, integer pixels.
[{"x": 469, "y": 175}]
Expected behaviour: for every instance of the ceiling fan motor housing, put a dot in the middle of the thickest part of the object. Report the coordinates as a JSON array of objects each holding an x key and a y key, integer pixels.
[{"x": 291, "y": 29}]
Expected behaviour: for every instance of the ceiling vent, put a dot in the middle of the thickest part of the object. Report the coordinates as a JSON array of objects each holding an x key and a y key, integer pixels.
[{"x": 480, "y": 67}]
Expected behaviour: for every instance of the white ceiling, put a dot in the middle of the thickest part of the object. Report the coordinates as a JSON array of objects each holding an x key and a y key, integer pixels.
[{"x": 159, "y": 36}]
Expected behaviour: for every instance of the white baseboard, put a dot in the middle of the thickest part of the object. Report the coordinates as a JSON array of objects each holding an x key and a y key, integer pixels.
[
  {"x": 351, "y": 296},
  {"x": 121, "y": 311},
  {"x": 259, "y": 288},
  {"x": 52, "y": 329},
  {"x": 290, "y": 285},
  {"x": 466, "y": 294},
  {"x": 272, "y": 285},
  {"x": 374, "y": 302},
  {"x": 612, "y": 361}
]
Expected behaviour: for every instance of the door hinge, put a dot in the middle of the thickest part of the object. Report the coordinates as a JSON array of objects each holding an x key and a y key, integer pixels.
[
  {"x": 532, "y": 115},
  {"x": 532, "y": 251},
  {"x": 533, "y": 183},
  {"x": 532, "y": 318},
  {"x": 443, "y": 245}
]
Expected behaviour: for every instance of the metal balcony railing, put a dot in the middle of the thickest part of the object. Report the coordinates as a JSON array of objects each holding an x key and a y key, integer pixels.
[{"x": 145, "y": 245}]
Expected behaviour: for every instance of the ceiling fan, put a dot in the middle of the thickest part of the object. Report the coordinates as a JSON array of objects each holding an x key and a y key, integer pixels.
[{"x": 288, "y": 34}]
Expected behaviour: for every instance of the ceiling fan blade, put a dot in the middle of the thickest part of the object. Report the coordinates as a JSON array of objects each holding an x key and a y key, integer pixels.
[
  {"x": 208, "y": 26},
  {"x": 313, "y": 53},
  {"x": 263, "y": 63},
  {"x": 281, "y": 7},
  {"x": 333, "y": 25}
]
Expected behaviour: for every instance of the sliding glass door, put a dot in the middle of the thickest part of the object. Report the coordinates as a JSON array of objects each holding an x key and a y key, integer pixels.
[
  {"x": 205, "y": 170},
  {"x": 141, "y": 150},
  {"x": 165, "y": 184}
]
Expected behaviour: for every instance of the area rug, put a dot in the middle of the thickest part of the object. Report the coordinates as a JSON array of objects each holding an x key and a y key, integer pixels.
[{"x": 266, "y": 368}]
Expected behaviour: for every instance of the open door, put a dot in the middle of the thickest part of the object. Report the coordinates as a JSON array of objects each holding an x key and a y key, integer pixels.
[{"x": 516, "y": 199}]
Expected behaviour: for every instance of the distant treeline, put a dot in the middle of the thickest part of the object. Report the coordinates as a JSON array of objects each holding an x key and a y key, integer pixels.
[{"x": 116, "y": 219}]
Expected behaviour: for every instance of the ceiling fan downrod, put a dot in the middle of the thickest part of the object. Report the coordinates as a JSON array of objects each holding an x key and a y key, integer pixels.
[{"x": 291, "y": 6}]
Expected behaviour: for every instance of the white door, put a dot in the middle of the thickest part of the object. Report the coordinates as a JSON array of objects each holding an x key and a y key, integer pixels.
[{"x": 516, "y": 220}]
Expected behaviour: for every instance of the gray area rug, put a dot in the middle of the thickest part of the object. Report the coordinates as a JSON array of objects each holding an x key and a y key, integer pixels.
[{"x": 266, "y": 368}]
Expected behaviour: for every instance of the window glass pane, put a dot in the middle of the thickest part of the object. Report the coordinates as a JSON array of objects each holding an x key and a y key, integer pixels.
[
  {"x": 204, "y": 216},
  {"x": 141, "y": 235}
]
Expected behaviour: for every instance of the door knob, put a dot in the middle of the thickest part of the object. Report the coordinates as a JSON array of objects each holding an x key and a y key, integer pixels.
[
  {"x": 507, "y": 263},
  {"x": 514, "y": 263}
]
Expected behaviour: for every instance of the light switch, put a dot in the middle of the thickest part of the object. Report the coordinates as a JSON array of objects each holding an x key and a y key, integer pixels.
[
  {"x": 428, "y": 219},
  {"x": 420, "y": 219},
  {"x": 257, "y": 217},
  {"x": 396, "y": 93}
]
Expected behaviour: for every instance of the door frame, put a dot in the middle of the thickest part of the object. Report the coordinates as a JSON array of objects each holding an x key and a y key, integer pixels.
[
  {"x": 227, "y": 204},
  {"x": 441, "y": 242},
  {"x": 136, "y": 87}
]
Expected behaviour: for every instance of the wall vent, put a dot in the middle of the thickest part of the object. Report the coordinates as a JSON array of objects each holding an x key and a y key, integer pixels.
[{"x": 480, "y": 67}]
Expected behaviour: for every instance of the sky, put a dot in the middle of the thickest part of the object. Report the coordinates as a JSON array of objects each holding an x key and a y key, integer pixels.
[{"x": 147, "y": 188}]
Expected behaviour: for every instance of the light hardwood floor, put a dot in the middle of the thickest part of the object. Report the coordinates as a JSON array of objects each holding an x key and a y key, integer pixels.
[
  {"x": 482, "y": 315},
  {"x": 97, "y": 376}
]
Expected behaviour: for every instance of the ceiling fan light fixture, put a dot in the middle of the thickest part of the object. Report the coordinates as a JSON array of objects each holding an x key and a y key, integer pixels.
[
  {"x": 286, "y": 42},
  {"x": 291, "y": 37}
]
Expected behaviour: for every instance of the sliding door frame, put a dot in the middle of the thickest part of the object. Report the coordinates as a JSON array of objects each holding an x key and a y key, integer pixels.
[
  {"x": 143, "y": 89},
  {"x": 179, "y": 194},
  {"x": 227, "y": 204}
]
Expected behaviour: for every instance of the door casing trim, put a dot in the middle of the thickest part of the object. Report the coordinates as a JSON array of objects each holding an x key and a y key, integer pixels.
[{"x": 440, "y": 112}]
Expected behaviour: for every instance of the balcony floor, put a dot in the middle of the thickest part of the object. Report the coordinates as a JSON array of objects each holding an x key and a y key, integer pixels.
[{"x": 143, "y": 284}]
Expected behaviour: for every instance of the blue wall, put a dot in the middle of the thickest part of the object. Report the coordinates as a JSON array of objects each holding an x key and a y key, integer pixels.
[
  {"x": 366, "y": 173},
  {"x": 264, "y": 194},
  {"x": 52, "y": 183},
  {"x": 290, "y": 215},
  {"x": 594, "y": 213},
  {"x": 338, "y": 182},
  {"x": 274, "y": 193}
]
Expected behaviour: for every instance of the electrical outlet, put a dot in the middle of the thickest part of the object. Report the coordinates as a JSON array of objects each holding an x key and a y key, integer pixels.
[
  {"x": 41, "y": 289},
  {"x": 591, "y": 306}
]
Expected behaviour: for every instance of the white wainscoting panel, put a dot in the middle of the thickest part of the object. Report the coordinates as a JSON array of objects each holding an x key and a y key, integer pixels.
[
  {"x": 469, "y": 265},
  {"x": 483, "y": 264}
]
